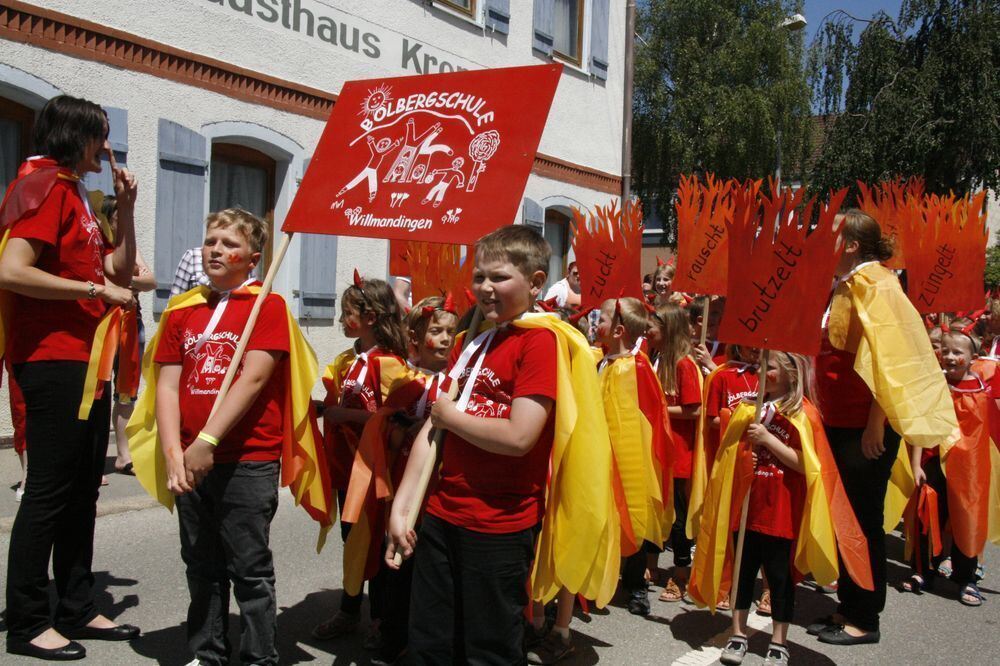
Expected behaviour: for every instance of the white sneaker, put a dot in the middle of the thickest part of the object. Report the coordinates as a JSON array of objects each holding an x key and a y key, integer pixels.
[
  {"x": 19, "y": 493},
  {"x": 193, "y": 663}
]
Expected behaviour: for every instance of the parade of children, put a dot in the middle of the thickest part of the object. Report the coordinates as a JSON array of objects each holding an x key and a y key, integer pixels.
[{"x": 497, "y": 475}]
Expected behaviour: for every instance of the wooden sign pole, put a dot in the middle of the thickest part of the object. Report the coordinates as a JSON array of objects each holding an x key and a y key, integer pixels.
[
  {"x": 436, "y": 440},
  {"x": 741, "y": 537},
  {"x": 704, "y": 319}
]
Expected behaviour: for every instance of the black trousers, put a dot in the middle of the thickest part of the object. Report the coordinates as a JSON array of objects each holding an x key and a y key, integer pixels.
[
  {"x": 377, "y": 599},
  {"x": 865, "y": 482},
  {"x": 679, "y": 542},
  {"x": 225, "y": 527},
  {"x": 469, "y": 595},
  {"x": 57, "y": 514},
  {"x": 634, "y": 567},
  {"x": 774, "y": 554},
  {"x": 963, "y": 567}
]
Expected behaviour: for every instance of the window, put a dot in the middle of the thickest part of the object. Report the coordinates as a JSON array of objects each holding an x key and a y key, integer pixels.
[
  {"x": 244, "y": 177},
  {"x": 463, "y": 6},
  {"x": 16, "y": 125},
  {"x": 567, "y": 38},
  {"x": 556, "y": 232}
]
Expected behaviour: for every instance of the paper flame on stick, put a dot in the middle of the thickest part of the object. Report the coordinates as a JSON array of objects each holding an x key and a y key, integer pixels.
[
  {"x": 780, "y": 270},
  {"x": 437, "y": 269},
  {"x": 945, "y": 252},
  {"x": 702, "y": 242},
  {"x": 886, "y": 202},
  {"x": 608, "y": 249}
]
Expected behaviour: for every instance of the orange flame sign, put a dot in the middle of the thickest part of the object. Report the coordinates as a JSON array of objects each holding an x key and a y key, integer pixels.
[
  {"x": 437, "y": 269},
  {"x": 608, "y": 249},
  {"x": 780, "y": 269},
  {"x": 702, "y": 243}
]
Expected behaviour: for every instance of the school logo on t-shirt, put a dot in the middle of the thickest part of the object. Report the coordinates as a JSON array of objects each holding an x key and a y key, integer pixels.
[
  {"x": 95, "y": 239},
  {"x": 210, "y": 362}
]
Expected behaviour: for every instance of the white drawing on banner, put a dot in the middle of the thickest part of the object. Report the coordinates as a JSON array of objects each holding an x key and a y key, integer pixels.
[
  {"x": 370, "y": 172},
  {"x": 398, "y": 198},
  {"x": 436, "y": 193},
  {"x": 375, "y": 99},
  {"x": 415, "y": 147},
  {"x": 481, "y": 149},
  {"x": 339, "y": 203},
  {"x": 452, "y": 216}
]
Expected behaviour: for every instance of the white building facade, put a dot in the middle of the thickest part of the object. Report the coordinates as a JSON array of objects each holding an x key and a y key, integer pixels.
[{"x": 214, "y": 103}]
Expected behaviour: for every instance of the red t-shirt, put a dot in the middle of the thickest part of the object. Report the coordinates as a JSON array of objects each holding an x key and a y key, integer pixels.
[
  {"x": 685, "y": 430},
  {"x": 730, "y": 386},
  {"x": 844, "y": 398},
  {"x": 777, "y": 493},
  {"x": 258, "y": 435},
  {"x": 484, "y": 491},
  {"x": 74, "y": 248}
]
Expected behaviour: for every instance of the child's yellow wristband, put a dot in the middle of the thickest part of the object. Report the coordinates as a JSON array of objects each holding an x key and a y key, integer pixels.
[{"x": 214, "y": 441}]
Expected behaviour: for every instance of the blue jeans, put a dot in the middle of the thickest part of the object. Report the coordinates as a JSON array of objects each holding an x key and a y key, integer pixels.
[{"x": 225, "y": 526}]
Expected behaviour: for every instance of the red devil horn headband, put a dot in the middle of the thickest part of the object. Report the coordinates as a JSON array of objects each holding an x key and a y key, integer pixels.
[{"x": 358, "y": 280}]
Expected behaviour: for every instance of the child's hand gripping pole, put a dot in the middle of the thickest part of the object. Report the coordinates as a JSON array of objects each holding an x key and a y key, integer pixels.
[
  {"x": 436, "y": 439},
  {"x": 759, "y": 405}
]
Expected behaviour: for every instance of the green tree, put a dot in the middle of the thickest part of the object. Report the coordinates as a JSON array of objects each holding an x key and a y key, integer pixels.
[
  {"x": 916, "y": 96},
  {"x": 716, "y": 83}
]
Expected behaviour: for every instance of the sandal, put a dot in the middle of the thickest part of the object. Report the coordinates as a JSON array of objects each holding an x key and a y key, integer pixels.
[
  {"x": 971, "y": 596},
  {"x": 723, "y": 604},
  {"x": 764, "y": 605},
  {"x": 945, "y": 567},
  {"x": 915, "y": 584},
  {"x": 671, "y": 592}
]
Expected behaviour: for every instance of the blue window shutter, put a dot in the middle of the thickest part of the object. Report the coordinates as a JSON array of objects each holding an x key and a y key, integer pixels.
[
  {"x": 599, "y": 18},
  {"x": 317, "y": 292},
  {"x": 543, "y": 27},
  {"x": 498, "y": 16},
  {"x": 180, "y": 201},
  {"x": 118, "y": 138},
  {"x": 533, "y": 215}
]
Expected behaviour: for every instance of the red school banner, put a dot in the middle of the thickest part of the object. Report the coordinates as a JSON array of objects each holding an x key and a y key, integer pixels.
[{"x": 441, "y": 158}]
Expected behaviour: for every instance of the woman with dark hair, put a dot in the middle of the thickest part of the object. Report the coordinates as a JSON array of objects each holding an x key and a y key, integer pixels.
[
  {"x": 877, "y": 380},
  {"x": 62, "y": 275}
]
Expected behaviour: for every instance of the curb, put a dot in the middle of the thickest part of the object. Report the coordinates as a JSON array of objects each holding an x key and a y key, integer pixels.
[{"x": 109, "y": 508}]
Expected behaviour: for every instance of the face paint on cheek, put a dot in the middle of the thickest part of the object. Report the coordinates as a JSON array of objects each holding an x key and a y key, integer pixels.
[
  {"x": 429, "y": 343},
  {"x": 233, "y": 258}
]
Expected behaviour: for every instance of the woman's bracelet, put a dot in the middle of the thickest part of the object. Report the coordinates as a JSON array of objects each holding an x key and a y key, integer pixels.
[
  {"x": 204, "y": 436},
  {"x": 91, "y": 290}
]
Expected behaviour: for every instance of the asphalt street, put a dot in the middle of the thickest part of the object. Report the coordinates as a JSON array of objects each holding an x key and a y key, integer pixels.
[{"x": 140, "y": 580}]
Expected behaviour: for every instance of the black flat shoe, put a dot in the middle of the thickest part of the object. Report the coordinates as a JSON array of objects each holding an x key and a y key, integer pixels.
[
  {"x": 68, "y": 652},
  {"x": 837, "y": 636},
  {"x": 821, "y": 625},
  {"x": 123, "y": 632}
]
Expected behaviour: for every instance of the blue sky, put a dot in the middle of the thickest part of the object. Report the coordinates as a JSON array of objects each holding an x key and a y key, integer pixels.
[{"x": 815, "y": 10}]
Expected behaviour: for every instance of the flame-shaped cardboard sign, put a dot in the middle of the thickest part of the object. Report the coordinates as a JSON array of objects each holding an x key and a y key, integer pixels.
[
  {"x": 437, "y": 269},
  {"x": 608, "y": 249},
  {"x": 887, "y": 204},
  {"x": 441, "y": 157},
  {"x": 946, "y": 253},
  {"x": 702, "y": 243},
  {"x": 780, "y": 271},
  {"x": 398, "y": 265}
]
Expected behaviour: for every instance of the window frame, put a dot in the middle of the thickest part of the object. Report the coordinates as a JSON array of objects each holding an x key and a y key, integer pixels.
[
  {"x": 578, "y": 60},
  {"x": 456, "y": 7},
  {"x": 240, "y": 155},
  {"x": 25, "y": 117}
]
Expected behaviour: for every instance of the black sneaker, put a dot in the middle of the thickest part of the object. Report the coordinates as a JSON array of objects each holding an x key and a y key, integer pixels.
[
  {"x": 638, "y": 602},
  {"x": 552, "y": 649}
]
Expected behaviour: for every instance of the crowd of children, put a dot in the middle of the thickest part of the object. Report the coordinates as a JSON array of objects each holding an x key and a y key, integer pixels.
[{"x": 539, "y": 494}]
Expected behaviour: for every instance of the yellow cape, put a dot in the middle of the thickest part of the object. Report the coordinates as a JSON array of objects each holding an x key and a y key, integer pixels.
[
  {"x": 579, "y": 546},
  {"x": 649, "y": 512},
  {"x": 699, "y": 463},
  {"x": 871, "y": 317},
  {"x": 302, "y": 461},
  {"x": 816, "y": 545}
]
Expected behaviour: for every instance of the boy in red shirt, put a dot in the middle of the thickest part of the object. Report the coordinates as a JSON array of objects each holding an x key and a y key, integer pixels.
[
  {"x": 478, "y": 534},
  {"x": 225, "y": 468}
]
